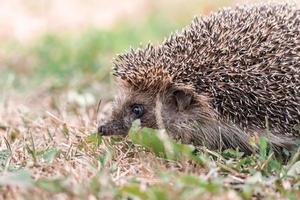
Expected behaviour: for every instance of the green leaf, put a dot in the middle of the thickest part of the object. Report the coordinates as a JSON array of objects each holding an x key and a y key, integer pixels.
[
  {"x": 274, "y": 166},
  {"x": 94, "y": 139},
  {"x": 191, "y": 180},
  {"x": 132, "y": 190},
  {"x": 32, "y": 152},
  {"x": 156, "y": 193},
  {"x": 263, "y": 148},
  {"x": 105, "y": 158},
  {"x": 148, "y": 138},
  {"x": 231, "y": 153},
  {"x": 53, "y": 186},
  {"x": 162, "y": 145},
  {"x": 50, "y": 155}
]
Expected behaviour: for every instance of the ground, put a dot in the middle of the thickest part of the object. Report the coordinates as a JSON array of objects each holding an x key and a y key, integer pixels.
[{"x": 54, "y": 89}]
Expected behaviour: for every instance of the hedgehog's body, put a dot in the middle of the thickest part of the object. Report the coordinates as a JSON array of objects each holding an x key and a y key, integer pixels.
[{"x": 220, "y": 80}]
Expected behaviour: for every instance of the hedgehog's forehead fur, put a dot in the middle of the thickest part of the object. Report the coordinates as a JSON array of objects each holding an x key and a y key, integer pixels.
[
  {"x": 142, "y": 70},
  {"x": 148, "y": 69}
]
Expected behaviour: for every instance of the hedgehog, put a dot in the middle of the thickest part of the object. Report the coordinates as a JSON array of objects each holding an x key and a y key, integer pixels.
[{"x": 223, "y": 80}]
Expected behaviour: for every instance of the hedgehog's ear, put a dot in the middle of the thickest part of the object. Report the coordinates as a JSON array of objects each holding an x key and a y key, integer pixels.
[{"x": 183, "y": 99}]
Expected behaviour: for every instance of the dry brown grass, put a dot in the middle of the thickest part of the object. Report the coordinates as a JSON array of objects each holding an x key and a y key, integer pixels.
[{"x": 44, "y": 121}]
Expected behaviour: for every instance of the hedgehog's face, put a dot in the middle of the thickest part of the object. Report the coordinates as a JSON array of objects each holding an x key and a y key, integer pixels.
[
  {"x": 174, "y": 110},
  {"x": 129, "y": 106}
]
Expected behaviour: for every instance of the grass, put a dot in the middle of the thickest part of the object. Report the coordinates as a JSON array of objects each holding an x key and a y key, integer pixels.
[
  {"x": 69, "y": 161},
  {"x": 48, "y": 116}
]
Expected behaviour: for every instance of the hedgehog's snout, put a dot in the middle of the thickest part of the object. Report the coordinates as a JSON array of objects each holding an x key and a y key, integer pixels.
[
  {"x": 107, "y": 129},
  {"x": 111, "y": 128}
]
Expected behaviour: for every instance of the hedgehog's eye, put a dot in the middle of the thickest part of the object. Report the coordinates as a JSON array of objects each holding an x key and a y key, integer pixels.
[{"x": 137, "y": 110}]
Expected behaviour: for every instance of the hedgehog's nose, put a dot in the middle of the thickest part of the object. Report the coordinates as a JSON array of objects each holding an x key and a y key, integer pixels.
[{"x": 102, "y": 130}]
